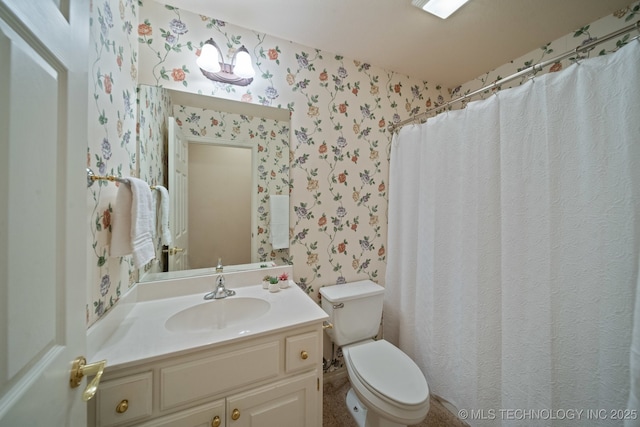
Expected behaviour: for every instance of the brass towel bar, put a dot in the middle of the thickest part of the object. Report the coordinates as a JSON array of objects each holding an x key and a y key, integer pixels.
[{"x": 91, "y": 178}]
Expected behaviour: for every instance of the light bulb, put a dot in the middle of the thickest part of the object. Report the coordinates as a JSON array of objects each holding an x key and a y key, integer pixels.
[
  {"x": 243, "y": 67},
  {"x": 209, "y": 59}
]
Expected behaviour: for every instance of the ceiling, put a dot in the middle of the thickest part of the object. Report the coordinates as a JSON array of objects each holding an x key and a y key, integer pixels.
[{"x": 397, "y": 36}]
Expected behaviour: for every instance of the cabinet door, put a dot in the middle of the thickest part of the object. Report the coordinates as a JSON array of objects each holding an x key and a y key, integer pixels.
[{"x": 288, "y": 403}]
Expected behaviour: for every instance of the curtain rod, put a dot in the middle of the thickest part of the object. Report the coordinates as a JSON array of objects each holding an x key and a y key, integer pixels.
[{"x": 532, "y": 69}]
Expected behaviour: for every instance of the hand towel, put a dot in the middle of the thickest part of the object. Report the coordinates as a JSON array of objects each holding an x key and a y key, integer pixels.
[
  {"x": 132, "y": 222},
  {"x": 279, "y": 213},
  {"x": 142, "y": 220},
  {"x": 165, "y": 232}
]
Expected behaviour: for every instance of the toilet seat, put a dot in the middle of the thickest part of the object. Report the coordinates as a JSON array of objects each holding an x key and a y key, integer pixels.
[{"x": 388, "y": 380}]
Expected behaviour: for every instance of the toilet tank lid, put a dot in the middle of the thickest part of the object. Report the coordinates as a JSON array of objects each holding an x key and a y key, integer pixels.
[{"x": 337, "y": 293}]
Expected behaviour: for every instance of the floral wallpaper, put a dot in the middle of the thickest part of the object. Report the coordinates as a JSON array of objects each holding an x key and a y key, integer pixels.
[
  {"x": 272, "y": 140},
  {"x": 339, "y": 143},
  {"x": 154, "y": 108},
  {"x": 112, "y": 148}
]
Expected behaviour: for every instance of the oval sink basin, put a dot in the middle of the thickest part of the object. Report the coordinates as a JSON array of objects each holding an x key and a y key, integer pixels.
[{"x": 217, "y": 314}]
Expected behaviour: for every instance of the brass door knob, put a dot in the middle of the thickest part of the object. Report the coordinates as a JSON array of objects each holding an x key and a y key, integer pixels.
[
  {"x": 173, "y": 251},
  {"x": 122, "y": 406},
  {"x": 235, "y": 414},
  {"x": 304, "y": 355},
  {"x": 216, "y": 421}
]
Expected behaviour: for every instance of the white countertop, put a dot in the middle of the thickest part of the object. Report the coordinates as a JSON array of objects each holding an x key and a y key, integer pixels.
[{"x": 140, "y": 334}]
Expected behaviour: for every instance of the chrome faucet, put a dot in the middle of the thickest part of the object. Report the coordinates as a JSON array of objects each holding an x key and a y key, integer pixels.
[{"x": 221, "y": 291}]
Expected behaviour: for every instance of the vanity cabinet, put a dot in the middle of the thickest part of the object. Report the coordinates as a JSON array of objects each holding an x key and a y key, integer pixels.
[{"x": 270, "y": 380}]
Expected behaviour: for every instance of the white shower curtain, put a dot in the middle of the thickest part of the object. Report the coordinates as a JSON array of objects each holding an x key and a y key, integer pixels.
[{"x": 514, "y": 239}]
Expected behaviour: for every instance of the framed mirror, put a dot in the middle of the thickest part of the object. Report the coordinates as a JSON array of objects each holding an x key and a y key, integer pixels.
[{"x": 222, "y": 197}]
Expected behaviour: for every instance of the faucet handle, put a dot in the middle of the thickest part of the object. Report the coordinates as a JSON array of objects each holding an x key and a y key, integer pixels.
[{"x": 220, "y": 291}]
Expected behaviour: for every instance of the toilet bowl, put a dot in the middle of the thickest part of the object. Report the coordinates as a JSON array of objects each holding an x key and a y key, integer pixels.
[
  {"x": 388, "y": 388},
  {"x": 388, "y": 384}
]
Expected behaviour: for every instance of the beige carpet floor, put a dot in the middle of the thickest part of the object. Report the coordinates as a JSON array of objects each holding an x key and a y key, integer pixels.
[{"x": 336, "y": 414}]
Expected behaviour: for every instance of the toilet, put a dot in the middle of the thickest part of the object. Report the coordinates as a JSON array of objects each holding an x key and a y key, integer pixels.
[{"x": 387, "y": 387}]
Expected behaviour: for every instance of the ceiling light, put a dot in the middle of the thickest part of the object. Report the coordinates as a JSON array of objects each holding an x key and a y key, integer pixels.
[{"x": 440, "y": 8}]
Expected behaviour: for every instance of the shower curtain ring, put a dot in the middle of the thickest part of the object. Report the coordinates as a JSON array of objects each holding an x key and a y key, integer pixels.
[
  {"x": 535, "y": 69},
  {"x": 577, "y": 58}
]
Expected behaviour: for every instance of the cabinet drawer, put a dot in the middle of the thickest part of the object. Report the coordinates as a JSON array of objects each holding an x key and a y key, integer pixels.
[
  {"x": 123, "y": 400},
  {"x": 211, "y": 414},
  {"x": 206, "y": 377},
  {"x": 302, "y": 352}
]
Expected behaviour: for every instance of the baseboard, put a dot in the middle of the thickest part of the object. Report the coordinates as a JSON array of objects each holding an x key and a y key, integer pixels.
[
  {"x": 448, "y": 405},
  {"x": 334, "y": 376}
]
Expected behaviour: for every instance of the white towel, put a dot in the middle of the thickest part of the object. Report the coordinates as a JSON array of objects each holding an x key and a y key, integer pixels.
[
  {"x": 279, "y": 213},
  {"x": 165, "y": 232},
  {"x": 132, "y": 222},
  {"x": 121, "y": 223}
]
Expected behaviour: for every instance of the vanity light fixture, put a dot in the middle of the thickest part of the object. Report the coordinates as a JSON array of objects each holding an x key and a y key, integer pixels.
[
  {"x": 239, "y": 72},
  {"x": 440, "y": 8}
]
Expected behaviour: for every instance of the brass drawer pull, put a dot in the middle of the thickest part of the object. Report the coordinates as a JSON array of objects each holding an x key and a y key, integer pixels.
[
  {"x": 304, "y": 355},
  {"x": 215, "y": 422},
  {"x": 235, "y": 414},
  {"x": 122, "y": 406}
]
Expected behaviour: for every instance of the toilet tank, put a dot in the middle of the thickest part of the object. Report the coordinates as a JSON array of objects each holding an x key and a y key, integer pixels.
[{"x": 354, "y": 309}]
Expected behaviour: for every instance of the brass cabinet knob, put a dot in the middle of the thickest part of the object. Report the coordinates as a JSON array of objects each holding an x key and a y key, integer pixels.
[
  {"x": 216, "y": 421},
  {"x": 122, "y": 406},
  {"x": 235, "y": 414},
  {"x": 304, "y": 355}
]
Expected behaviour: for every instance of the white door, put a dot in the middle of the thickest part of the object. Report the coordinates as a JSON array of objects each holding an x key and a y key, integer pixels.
[
  {"x": 178, "y": 197},
  {"x": 43, "y": 146}
]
